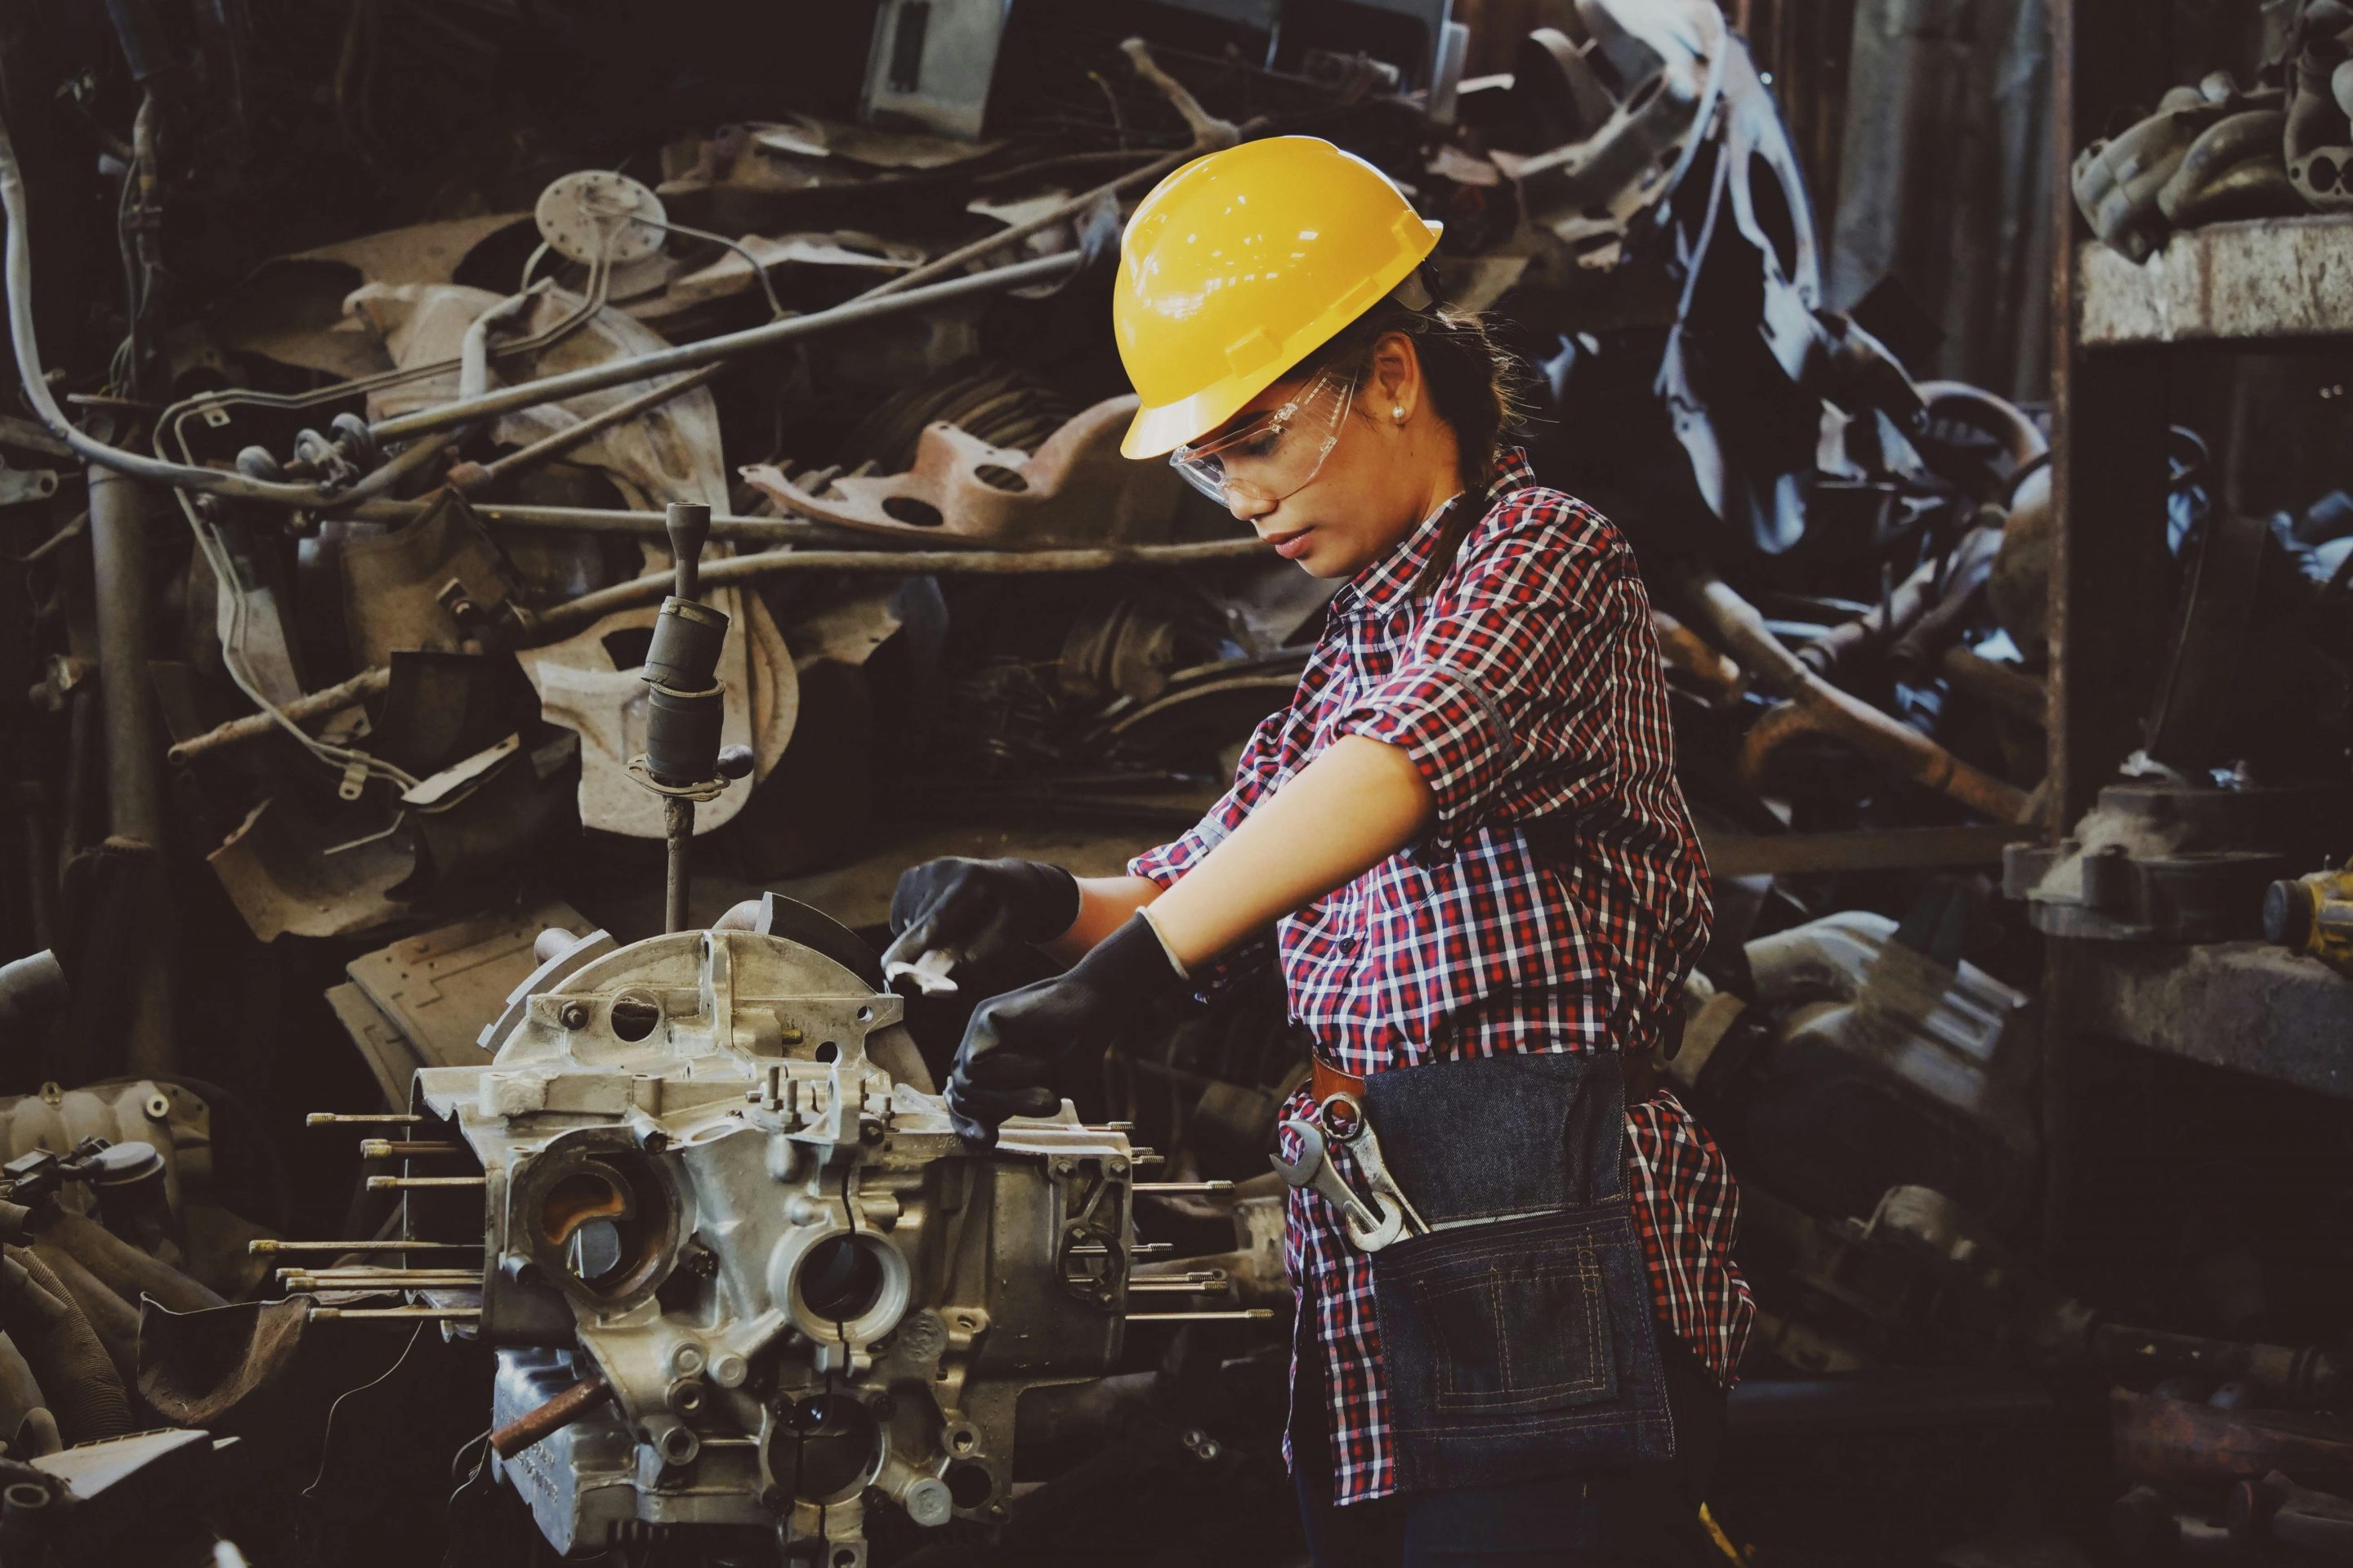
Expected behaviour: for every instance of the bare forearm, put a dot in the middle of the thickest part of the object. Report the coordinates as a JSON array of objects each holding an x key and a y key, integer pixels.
[
  {"x": 1352, "y": 807},
  {"x": 1104, "y": 904}
]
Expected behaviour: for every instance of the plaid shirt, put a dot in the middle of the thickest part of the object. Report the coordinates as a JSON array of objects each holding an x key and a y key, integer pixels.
[{"x": 1527, "y": 687}]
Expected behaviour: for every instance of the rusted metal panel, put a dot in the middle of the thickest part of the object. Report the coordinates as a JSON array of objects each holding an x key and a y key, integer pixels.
[
  {"x": 2264, "y": 280},
  {"x": 2242, "y": 1005}
]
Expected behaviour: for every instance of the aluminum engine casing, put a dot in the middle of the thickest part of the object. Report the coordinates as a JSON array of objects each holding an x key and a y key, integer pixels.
[{"x": 808, "y": 1294}]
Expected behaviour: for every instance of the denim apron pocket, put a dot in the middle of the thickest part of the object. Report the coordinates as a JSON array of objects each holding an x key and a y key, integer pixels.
[{"x": 1518, "y": 1335}]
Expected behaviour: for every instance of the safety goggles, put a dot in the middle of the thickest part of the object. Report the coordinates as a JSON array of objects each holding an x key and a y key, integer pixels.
[{"x": 1274, "y": 455}]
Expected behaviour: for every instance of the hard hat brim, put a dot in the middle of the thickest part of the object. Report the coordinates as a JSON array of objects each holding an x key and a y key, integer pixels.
[{"x": 1159, "y": 429}]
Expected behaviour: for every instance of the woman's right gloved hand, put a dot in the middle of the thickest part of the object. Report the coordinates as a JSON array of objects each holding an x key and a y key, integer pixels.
[{"x": 979, "y": 911}]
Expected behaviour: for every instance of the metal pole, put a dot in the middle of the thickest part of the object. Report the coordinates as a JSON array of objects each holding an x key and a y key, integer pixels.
[
  {"x": 711, "y": 350},
  {"x": 134, "y": 800},
  {"x": 678, "y": 832},
  {"x": 118, "y": 547}
]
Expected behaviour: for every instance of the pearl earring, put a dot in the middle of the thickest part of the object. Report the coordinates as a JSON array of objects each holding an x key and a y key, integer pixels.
[{"x": 1397, "y": 414}]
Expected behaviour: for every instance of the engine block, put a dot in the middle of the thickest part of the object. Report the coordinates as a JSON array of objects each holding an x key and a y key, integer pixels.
[{"x": 806, "y": 1296}]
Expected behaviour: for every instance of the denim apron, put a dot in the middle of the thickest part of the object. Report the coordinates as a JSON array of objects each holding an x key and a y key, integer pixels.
[{"x": 1518, "y": 1334}]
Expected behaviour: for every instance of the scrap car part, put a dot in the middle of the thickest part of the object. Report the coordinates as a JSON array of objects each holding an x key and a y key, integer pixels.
[
  {"x": 1612, "y": 114},
  {"x": 804, "y": 1293},
  {"x": 1076, "y": 489},
  {"x": 1855, "y": 1010},
  {"x": 2317, "y": 141},
  {"x": 2209, "y": 152},
  {"x": 2165, "y": 860}
]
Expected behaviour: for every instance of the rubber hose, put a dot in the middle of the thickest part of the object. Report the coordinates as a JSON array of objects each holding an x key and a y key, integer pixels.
[
  {"x": 124, "y": 1269},
  {"x": 20, "y": 1391},
  {"x": 37, "y": 1434},
  {"x": 114, "y": 1321},
  {"x": 85, "y": 1392}
]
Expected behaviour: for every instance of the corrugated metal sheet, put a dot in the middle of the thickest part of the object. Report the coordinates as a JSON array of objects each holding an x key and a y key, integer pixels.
[{"x": 1945, "y": 179}]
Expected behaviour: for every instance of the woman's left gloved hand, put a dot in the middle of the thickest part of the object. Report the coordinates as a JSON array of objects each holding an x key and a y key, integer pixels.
[{"x": 1021, "y": 1047}]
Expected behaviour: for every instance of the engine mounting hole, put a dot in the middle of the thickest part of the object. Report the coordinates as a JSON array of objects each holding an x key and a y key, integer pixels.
[
  {"x": 634, "y": 1015},
  {"x": 841, "y": 1279},
  {"x": 969, "y": 1484},
  {"x": 828, "y": 1052}
]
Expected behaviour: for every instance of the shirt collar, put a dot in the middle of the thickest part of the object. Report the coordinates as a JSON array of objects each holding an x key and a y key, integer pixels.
[{"x": 1379, "y": 587}]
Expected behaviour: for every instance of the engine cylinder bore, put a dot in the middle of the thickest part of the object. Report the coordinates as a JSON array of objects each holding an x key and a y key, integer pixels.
[
  {"x": 598, "y": 1222},
  {"x": 846, "y": 1288},
  {"x": 825, "y": 1447}
]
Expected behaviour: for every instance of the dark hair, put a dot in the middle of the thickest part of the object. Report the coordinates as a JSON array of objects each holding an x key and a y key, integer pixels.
[{"x": 1477, "y": 386}]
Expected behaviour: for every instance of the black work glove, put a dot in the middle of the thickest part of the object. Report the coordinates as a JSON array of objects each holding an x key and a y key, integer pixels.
[
  {"x": 979, "y": 911},
  {"x": 1021, "y": 1047}
]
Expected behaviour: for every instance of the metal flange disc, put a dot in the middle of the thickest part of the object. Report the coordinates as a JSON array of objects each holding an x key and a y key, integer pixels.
[{"x": 596, "y": 212}]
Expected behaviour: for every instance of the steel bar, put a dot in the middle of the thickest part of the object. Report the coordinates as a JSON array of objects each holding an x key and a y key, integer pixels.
[
  {"x": 557, "y": 1414},
  {"x": 253, "y": 726},
  {"x": 678, "y": 836},
  {"x": 1183, "y": 1187},
  {"x": 1217, "y": 1286},
  {"x": 1136, "y": 1249},
  {"x": 334, "y": 1118},
  {"x": 396, "y": 1183},
  {"x": 368, "y": 1271},
  {"x": 727, "y": 345},
  {"x": 390, "y": 1279},
  {"x": 263, "y": 1248},
  {"x": 1226, "y": 1315},
  {"x": 118, "y": 547},
  {"x": 614, "y": 519},
  {"x": 564, "y": 619},
  {"x": 402, "y": 1148},
  {"x": 402, "y": 1314},
  {"x": 469, "y": 478}
]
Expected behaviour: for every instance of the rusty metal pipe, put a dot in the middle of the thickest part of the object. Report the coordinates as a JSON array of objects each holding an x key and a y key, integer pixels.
[
  {"x": 469, "y": 478},
  {"x": 118, "y": 547},
  {"x": 1998, "y": 685},
  {"x": 558, "y": 1413},
  {"x": 253, "y": 726},
  {"x": 565, "y": 618},
  {"x": 1811, "y": 705},
  {"x": 561, "y": 620},
  {"x": 1999, "y": 415}
]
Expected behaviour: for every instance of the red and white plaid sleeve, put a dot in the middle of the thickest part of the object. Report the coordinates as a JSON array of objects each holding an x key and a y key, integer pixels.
[{"x": 1486, "y": 678}]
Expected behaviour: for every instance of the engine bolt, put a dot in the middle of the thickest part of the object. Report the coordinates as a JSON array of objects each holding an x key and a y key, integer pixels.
[
  {"x": 575, "y": 1015},
  {"x": 1066, "y": 1166},
  {"x": 687, "y": 1359},
  {"x": 728, "y": 1370}
]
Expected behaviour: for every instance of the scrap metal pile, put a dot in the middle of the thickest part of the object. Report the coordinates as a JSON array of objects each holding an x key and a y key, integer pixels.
[{"x": 350, "y": 630}]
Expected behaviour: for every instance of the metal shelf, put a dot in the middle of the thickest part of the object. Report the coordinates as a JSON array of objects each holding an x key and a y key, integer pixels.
[{"x": 2269, "y": 280}]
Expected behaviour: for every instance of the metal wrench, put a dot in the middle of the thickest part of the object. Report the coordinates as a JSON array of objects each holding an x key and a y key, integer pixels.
[
  {"x": 1369, "y": 1230},
  {"x": 1365, "y": 1149}
]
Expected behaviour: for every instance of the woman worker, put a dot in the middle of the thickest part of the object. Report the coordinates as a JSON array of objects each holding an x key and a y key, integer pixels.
[{"x": 1467, "y": 835}]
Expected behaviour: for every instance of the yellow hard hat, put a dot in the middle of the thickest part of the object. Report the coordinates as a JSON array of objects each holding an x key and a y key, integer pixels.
[{"x": 1239, "y": 265}]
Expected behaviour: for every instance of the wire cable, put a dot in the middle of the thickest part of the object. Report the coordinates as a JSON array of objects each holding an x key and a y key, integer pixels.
[{"x": 326, "y": 1436}]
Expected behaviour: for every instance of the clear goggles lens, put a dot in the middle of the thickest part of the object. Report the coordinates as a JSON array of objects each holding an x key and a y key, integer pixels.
[{"x": 1272, "y": 455}]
